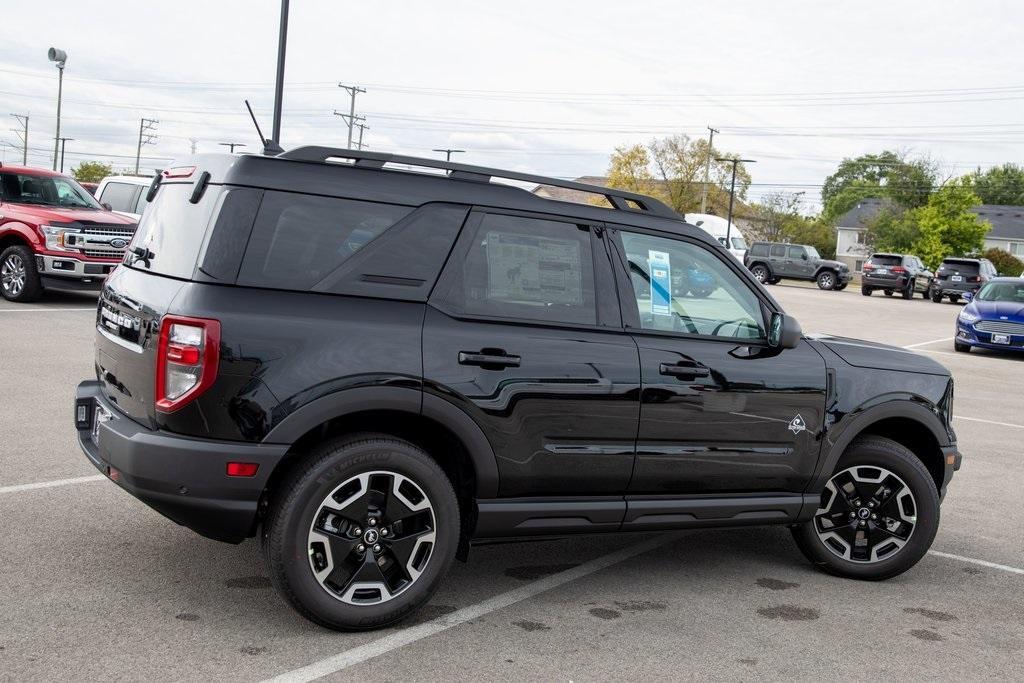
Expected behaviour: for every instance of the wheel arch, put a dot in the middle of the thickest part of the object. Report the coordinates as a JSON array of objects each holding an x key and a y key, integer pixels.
[
  {"x": 767, "y": 266},
  {"x": 17, "y": 235},
  {"x": 822, "y": 269}
]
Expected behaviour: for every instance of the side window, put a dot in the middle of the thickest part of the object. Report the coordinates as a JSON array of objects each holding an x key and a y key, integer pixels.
[
  {"x": 796, "y": 252},
  {"x": 120, "y": 196},
  {"x": 526, "y": 268},
  {"x": 140, "y": 205},
  {"x": 682, "y": 287},
  {"x": 297, "y": 239},
  {"x": 759, "y": 250},
  {"x": 779, "y": 250}
]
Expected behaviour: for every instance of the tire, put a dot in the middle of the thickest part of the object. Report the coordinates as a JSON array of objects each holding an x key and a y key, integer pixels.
[
  {"x": 927, "y": 293},
  {"x": 19, "y": 279},
  {"x": 954, "y": 298},
  {"x": 761, "y": 273},
  {"x": 375, "y": 474},
  {"x": 841, "y": 286},
  {"x": 866, "y": 291},
  {"x": 826, "y": 280},
  {"x": 937, "y": 297},
  {"x": 775, "y": 281},
  {"x": 913, "y": 529},
  {"x": 908, "y": 291},
  {"x": 962, "y": 348},
  {"x": 888, "y": 292}
]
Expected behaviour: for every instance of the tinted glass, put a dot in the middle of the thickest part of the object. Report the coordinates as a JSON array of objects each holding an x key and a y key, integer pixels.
[
  {"x": 46, "y": 191},
  {"x": 885, "y": 260},
  {"x": 298, "y": 240},
  {"x": 963, "y": 267},
  {"x": 172, "y": 231},
  {"x": 796, "y": 252},
  {"x": 779, "y": 250},
  {"x": 682, "y": 287},
  {"x": 120, "y": 196},
  {"x": 526, "y": 268},
  {"x": 759, "y": 250}
]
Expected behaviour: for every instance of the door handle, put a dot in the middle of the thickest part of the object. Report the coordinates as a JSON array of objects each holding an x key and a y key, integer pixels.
[
  {"x": 489, "y": 360},
  {"x": 684, "y": 370}
]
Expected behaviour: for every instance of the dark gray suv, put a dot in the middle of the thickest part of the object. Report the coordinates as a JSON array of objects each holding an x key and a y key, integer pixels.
[{"x": 770, "y": 262}]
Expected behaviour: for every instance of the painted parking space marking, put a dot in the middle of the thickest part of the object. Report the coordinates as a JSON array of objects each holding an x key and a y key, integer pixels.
[
  {"x": 988, "y": 422},
  {"x": 51, "y": 484},
  {"x": 46, "y": 310},
  {"x": 406, "y": 636},
  {"x": 933, "y": 341},
  {"x": 983, "y": 563}
]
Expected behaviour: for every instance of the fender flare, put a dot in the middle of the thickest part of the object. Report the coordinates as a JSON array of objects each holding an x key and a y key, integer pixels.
[
  {"x": 400, "y": 399},
  {"x": 761, "y": 263},
  {"x": 853, "y": 425},
  {"x": 22, "y": 233},
  {"x": 822, "y": 269}
]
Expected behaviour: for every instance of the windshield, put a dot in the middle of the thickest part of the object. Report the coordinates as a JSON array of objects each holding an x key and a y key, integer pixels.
[
  {"x": 19, "y": 188},
  {"x": 813, "y": 253},
  {"x": 738, "y": 243},
  {"x": 1002, "y": 291}
]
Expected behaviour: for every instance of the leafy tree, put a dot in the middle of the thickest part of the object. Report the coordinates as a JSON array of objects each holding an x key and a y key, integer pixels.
[
  {"x": 814, "y": 231},
  {"x": 774, "y": 216},
  {"x": 1000, "y": 185},
  {"x": 672, "y": 170},
  {"x": 91, "y": 171},
  {"x": 1005, "y": 262},
  {"x": 945, "y": 226},
  {"x": 892, "y": 229},
  {"x": 888, "y": 174}
]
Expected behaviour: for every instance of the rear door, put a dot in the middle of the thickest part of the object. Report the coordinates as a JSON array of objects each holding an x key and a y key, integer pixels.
[
  {"x": 721, "y": 413},
  {"x": 779, "y": 261},
  {"x": 523, "y": 333}
]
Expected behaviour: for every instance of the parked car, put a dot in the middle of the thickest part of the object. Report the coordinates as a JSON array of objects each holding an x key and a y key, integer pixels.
[
  {"x": 718, "y": 227},
  {"x": 373, "y": 367},
  {"x": 771, "y": 262},
  {"x": 124, "y": 194},
  {"x": 54, "y": 235},
  {"x": 956, "y": 276},
  {"x": 92, "y": 187},
  {"x": 903, "y": 273},
  {"x": 994, "y": 318}
]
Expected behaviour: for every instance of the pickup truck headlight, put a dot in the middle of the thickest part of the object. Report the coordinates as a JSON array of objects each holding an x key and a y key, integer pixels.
[
  {"x": 57, "y": 238},
  {"x": 968, "y": 318}
]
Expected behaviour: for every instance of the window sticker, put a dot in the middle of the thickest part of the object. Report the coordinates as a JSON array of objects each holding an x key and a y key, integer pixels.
[
  {"x": 538, "y": 270},
  {"x": 661, "y": 282}
]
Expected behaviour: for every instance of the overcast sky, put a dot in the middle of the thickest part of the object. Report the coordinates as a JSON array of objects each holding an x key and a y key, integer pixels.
[{"x": 548, "y": 87}]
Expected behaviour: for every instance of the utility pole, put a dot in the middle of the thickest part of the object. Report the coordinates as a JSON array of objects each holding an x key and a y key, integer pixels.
[
  {"x": 282, "y": 45},
  {"x": 232, "y": 145},
  {"x": 63, "y": 142},
  {"x": 350, "y": 118},
  {"x": 362, "y": 127},
  {"x": 145, "y": 138},
  {"x": 449, "y": 152},
  {"x": 23, "y": 134},
  {"x": 707, "y": 172},
  {"x": 732, "y": 196}
]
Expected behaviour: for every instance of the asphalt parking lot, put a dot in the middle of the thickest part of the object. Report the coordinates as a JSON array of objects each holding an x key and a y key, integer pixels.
[{"x": 94, "y": 585}]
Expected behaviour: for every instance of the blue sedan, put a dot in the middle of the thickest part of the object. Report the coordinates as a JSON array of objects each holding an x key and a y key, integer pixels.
[{"x": 994, "y": 318}]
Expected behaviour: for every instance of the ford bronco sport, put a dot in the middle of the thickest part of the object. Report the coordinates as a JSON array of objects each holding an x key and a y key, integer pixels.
[
  {"x": 54, "y": 235},
  {"x": 372, "y": 366}
]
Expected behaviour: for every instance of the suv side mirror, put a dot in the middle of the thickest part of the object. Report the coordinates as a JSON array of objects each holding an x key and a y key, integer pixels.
[
  {"x": 804, "y": 256},
  {"x": 784, "y": 332}
]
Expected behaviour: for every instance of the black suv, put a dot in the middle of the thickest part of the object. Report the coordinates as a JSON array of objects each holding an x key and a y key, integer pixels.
[
  {"x": 958, "y": 275},
  {"x": 371, "y": 366},
  {"x": 771, "y": 262},
  {"x": 903, "y": 273}
]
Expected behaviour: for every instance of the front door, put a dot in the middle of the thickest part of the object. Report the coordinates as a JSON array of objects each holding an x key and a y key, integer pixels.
[
  {"x": 721, "y": 412},
  {"x": 523, "y": 333}
]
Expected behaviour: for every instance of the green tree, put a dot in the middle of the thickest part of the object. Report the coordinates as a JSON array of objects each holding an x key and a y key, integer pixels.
[
  {"x": 1005, "y": 262},
  {"x": 946, "y": 226},
  {"x": 1000, "y": 185},
  {"x": 892, "y": 175},
  {"x": 773, "y": 218},
  {"x": 893, "y": 229},
  {"x": 817, "y": 232},
  {"x": 91, "y": 171}
]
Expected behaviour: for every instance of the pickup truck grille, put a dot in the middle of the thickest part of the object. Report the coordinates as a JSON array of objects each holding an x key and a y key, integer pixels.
[
  {"x": 119, "y": 230},
  {"x": 999, "y": 327},
  {"x": 103, "y": 253}
]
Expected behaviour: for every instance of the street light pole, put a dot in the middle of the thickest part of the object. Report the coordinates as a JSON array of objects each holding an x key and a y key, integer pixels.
[
  {"x": 732, "y": 196},
  {"x": 282, "y": 44},
  {"x": 63, "y": 142},
  {"x": 449, "y": 152},
  {"x": 60, "y": 57},
  {"x": 232, "y": 145}
]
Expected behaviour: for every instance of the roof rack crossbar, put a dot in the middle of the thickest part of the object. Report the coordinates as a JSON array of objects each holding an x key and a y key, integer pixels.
[{"x": 621, "y": 200}]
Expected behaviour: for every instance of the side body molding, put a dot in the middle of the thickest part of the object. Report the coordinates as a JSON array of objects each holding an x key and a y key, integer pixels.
[{"x": 399, "y": 399}]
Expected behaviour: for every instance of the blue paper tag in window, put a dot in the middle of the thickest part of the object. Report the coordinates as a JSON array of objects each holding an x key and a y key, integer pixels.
[{"x": 661, "y": 282}]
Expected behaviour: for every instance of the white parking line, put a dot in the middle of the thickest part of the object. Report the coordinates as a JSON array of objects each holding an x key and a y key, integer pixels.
[
  {"x": 393, "y": 641},
  {"x": 45, "y": 310},
  {"x": 988, "y": 422},
  {"x": 983, "y": 563},
  {"x": 50, "y": 484},
  {"x": 933, "y": 341}
]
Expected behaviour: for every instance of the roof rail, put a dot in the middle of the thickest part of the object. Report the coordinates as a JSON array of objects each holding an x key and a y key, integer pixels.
[{"x": 619, "y": 199}]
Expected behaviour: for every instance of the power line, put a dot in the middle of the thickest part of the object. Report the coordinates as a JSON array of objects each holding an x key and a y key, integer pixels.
[{"x": 350, "y": 118}]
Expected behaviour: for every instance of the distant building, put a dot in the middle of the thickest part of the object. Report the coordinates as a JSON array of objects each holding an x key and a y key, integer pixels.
[{"x": 1007, "y": 231}]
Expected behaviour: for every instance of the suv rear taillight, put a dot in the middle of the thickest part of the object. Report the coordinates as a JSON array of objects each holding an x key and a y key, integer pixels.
[
  {"x": 186, "y": 361},
  {"x": 898, "y": 269}
]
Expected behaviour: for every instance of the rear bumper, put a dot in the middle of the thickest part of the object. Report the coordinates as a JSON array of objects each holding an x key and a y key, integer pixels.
[
  {"x": 182, "y": 478},
  {"x": 882, "y": 282},
  {"x": 947, "y": 287}
]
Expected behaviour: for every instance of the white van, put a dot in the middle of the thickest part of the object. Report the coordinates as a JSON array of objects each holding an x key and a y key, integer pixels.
[
  {"x": 716, "y": 227},
  {"x": 125, "y": 195}
]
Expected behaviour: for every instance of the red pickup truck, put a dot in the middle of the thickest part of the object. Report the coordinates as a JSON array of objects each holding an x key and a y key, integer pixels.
[{"x": 54, "y": 235}]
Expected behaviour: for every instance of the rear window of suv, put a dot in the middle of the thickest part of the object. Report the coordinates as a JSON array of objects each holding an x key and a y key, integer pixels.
[
  {"x": 961, "y": 266},
  {"x": 885, "y": 260},
  {"x": 759, "y": 249},
  {"x": 172, "y": 230}
]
